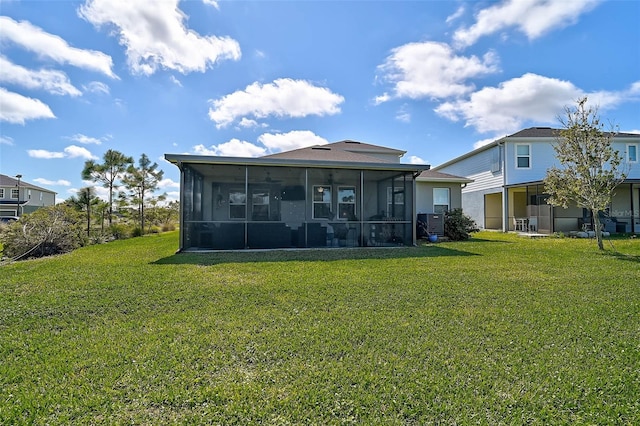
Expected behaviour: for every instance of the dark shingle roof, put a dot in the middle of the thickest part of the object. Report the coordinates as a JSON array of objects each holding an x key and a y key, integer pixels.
[
  {"x": 432, "y": 175},
  {"x": 9, "y": 181},
  {"x": 351, "y": 151},
  {"x": 548, "y": 132}
]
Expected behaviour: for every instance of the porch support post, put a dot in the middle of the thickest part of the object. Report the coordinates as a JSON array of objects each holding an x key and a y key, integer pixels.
[
  {"x": 246, "y": 205},
  {"x": 505, "y": 209},
  {"x": 633, "y": 210},
  {"x": 361, "y": 215},
  {"x": 413, "y": 210}
]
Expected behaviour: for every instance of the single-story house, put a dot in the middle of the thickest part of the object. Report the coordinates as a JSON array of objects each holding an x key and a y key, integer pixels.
[
  {"x": 507, "y": 191},
  {"x": 18, "y": 197},
  {"x": 345, "y": 193}
]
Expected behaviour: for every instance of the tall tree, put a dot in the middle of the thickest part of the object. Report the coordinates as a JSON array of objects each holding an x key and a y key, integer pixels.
[
  {"x": 141, "y": 181},
  {"x": 85, "y": 201},
  {"x": 108, "y": 173},
  {"x": 590, "y": 169}
]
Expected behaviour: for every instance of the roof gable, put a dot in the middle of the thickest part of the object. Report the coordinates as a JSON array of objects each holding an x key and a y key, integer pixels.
[
  {"x": 8, "y": 181},
  {"x": 347, "y": 150}
]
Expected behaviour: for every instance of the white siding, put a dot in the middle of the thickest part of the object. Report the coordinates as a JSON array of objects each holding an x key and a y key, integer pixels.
[
  {"x": 620, "y": 145},
  {"x": 424, "y": 195},
  {"x": 542, "y": 157},
  {"x": 478, "y": 168}
]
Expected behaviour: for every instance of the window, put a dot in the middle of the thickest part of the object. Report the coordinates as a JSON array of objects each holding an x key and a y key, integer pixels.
[
  {"x": 440, "y": 200},
  {"x": 632, "y": 153},
  {"x": 395, "y": 202},
  {"x": 322, "y": 202},
  {"x": 496, "y": 159},
  {"x": 260, "y": 205},
  {"x": 523, "y": 156},
  {"x": 347, "y": 202},
  {"x": 15, "y": 193},
  {"x": 1, "y": 192},
  {"x": 237, "y": 204}
]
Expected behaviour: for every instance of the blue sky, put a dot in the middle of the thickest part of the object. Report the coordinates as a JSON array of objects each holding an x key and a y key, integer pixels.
[{"x": 248, "y": 78}]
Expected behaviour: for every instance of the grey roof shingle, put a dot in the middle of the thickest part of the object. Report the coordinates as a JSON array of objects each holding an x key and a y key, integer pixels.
[
  {"x": 9, "y": 181},
  {"x": 347, "y": 150}
]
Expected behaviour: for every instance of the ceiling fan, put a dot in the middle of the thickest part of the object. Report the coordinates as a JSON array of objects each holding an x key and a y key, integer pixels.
[{"x": 269, "y": 179}]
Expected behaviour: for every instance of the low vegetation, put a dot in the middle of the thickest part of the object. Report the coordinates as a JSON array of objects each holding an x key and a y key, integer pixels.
[{"x": 493, "y": 330}]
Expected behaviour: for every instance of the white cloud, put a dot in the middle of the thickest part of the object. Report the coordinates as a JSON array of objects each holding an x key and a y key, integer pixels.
[
  {"x": 534, "y": 18},
  {"x": 292, "y": 140},
  {"x": 505, "y": 108},
  {"x": 403, "y": 115},
  {"x": 60, "y": 182},
  {"x": 72, "y": 151},
  {"x": 84, "y": 139},
  {"x": 432, "y": 69},
  {"x": 44, "y": 154},
  {"x": 52, "y": 81},
  {"x": 155, "y": 36},
  {"x": 416, "y": 160},
  {"x": 385, "y": 97},
  {"x": 15, "y": 108},
  {"x": 484, "y": 142},
  {"x": 97, "y": 87},
  {"x": 51, "y": 46},
  {"x": 168, "y": 183},
  {"x": 282, "y": 98},
  {"x": 233, "y": 148},
  {"x": 457, "y": 14},
  {"x": 213, "y": 3},
  {"x": 6, "y": 140},
  {"x": 175, "y": 81},
  {"x": 248, "y": 123}
]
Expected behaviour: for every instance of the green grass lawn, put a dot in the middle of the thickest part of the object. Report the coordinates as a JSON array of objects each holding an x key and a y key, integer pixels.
[{"x": 495, "y": 330}]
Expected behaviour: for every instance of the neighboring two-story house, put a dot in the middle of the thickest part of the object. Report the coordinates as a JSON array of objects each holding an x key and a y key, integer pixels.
[
  {"x": 507, "y": 191},
  {"x": 18, "y": 197}
]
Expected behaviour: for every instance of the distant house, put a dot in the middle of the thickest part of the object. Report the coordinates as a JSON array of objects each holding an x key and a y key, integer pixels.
[
  {"x": 18, "y": 197},
  {"x": 507, "y": 192},
  {"x": 342, "y": 194}
]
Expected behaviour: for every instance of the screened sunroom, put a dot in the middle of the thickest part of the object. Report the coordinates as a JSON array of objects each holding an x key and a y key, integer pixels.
[{"x": 263, "y": 203}]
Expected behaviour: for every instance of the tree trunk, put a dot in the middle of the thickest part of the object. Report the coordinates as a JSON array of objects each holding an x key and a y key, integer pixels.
[{"x": 597, "y": 227}]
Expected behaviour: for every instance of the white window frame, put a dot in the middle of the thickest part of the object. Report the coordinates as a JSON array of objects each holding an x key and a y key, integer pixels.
[
  {"x": 341, "y": 203},
  {"x": 262, "y": 196},
  {"x": 324, "y": 190},
  {"x": 519, "y": 156},
  {"x": 1, "y": 192},
  {"x": 635, "y": 154},
  {"x": 235, "y": 202},
  {"x": 15, "y": 191},
  {"x": 448, "y": 205}
]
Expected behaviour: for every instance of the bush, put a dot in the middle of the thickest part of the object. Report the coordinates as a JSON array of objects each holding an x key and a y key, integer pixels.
[
  {"x": 458, "y": 226},
  {"x": 120, "y": 231},
  {"x": 47, "y": 231}
]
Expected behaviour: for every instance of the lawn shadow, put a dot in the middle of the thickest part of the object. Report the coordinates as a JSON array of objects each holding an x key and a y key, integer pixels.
[
  {"x": 308, "y": 255},
  {"x": 625, "y": 257}
]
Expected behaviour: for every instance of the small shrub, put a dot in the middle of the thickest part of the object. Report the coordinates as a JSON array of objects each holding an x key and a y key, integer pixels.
[
  {"x": 120, "y": 231},
  {"x": 137, "y": 232},
  {"x": 167, "y": 227},
  {"x": 458, "y": 226}
]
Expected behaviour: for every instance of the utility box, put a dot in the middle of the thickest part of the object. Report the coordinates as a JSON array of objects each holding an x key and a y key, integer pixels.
[{"x": 435, "y": 224}]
